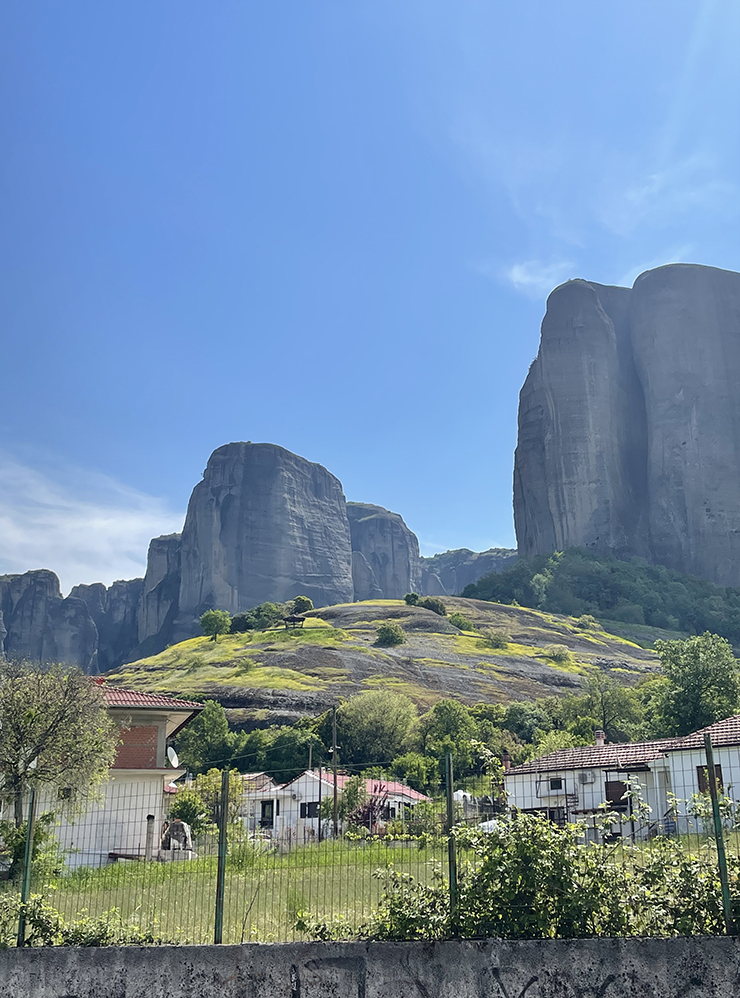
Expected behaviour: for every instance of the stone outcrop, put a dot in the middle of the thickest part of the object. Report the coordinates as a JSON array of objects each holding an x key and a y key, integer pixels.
[
  {"x": 37, "y": 624},
  {"x": 159, "y": 604},
  {"x": 629, "y": 423},
  {"x": 448, "y": 573},
  {"x": 114, "y": 611},
  {"x": 385, "y": 553},
  {"x": 264, "y": 524}
]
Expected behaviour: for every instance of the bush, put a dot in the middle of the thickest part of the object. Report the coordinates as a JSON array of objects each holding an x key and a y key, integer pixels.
[
  {"x": 412, "y": 599},
  {"x": 259, "y": 618},
  {"x": 302, "y": 604},
  {"x": 433, "y": 603},
  {"x": 461, "y": 622},
  {"x": 558, "y": 653},
  {"x": 390, "y": 634},
  {"x": 588, "y": 623},
  {"x": 496, "y": 639},
  {"x": 189, "y": 806}
]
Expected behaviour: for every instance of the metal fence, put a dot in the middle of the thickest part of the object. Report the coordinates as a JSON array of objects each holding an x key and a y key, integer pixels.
[{"x": 244, "y": 879}]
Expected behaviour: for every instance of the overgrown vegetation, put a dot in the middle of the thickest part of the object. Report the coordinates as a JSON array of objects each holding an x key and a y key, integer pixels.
[
  {"x": 383, "y": 731},
  {"x": 582, "y": 584},
  {"x": 390, "y": 634}
]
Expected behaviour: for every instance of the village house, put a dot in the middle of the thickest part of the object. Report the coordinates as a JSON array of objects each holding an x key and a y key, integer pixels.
[
  {"x": 126, "y": 818},
  {"x": 290, "y": 812},
  {"x": 572, "y": 783}
]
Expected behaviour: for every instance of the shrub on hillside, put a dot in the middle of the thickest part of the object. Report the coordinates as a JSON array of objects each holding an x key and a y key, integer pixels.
[
  {"x": 259, "y": 618},
  {"x": 412, "y": 599},
  {"x": 588, "y": 623},
  {"x": 390, "y": 634},
  {"x": 433, "y": 603},
  {"x": 301, "y": 604},
  {"x": 460, "y": 621},
  {"x": 558, "y": 653},
  {"x": 496, "y": 639}
]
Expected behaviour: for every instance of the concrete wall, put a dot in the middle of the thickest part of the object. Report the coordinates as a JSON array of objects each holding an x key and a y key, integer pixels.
[{"x": 605, "y": 968}]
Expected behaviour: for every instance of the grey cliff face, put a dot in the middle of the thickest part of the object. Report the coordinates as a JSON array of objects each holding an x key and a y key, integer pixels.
[
  {"x": 448, "y": 573},
  {"x": 264, "y": 524},
  {"x": 36, "y": 623},
  {"x": 159, "y": 602},
  {"x": 629, "y": 423},
  {"x": 114, "y": 611},
  {"x": 385, "y": 553}
]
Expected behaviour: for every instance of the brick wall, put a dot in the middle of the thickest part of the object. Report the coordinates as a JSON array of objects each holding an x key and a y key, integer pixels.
[{"x": 139, "y": 748}]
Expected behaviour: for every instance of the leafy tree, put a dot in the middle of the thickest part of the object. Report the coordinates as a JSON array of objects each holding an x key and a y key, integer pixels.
[
  {"x": 526, "y": 719},
  {"x": 412, "y": 599},
  {"x": 207, "y": 739},
  {"x": 372, "y": 727},
  {"x": 448, "y": 727},
  {"x": 553, "y": 741},
  {"x": 207, "y": 786},
  {"x": 259, "y": 618},
  {"x": 496, "y": 639},
  {"x": 614, "y": 707},
  {"x": 349, "y": 800},
  {"x": 55, "y": 731},
  {"x": 433, "y": 603},
  {"x": 189, "y": 806},
  {"x": 390, "y": 634},
  {"x": 416, "y": 770},
  {"x": 302, "y": 604},
  {"x": 703, "y": 682},
  {"x": 215, "y": 622}
]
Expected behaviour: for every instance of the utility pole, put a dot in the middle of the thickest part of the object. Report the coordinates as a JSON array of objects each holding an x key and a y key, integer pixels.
[
  {"x": 334, "y": 764},
  {"x": 320, "y": 779},
  {"x": 310, "y": 757}
]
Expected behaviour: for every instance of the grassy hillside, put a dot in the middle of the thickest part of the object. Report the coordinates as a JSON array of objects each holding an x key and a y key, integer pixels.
[{"x": 278, "y": 675}]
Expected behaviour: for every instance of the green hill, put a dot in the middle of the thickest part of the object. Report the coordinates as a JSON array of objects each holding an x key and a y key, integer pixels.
[
  {"x": 276, "y": 676},
  {"x": 629, "y": 592}
]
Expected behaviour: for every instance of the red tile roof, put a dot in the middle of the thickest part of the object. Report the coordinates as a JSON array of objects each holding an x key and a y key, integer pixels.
[
  {"x": 623, "y": 755},
  {"x": 373, "y": 786},
  {"x": 117, "y": 697}
]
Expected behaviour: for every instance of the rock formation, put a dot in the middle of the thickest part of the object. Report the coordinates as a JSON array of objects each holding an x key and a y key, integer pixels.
[
  {"x": 448, "y": 573},
  {"x": 264, "y": 524},
  {"x": 629, "y": 423},
  {"x": 114, "y": 612},
  {"x": 36, "y": 623},
  {"x": 385, "y": 553}
]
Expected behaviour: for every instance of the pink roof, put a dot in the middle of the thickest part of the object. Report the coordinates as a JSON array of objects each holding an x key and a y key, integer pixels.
[
  {"x": 623, "y": 755},
  {"x": 373, "y": 786},
  {"x": 117, "y": 697}
]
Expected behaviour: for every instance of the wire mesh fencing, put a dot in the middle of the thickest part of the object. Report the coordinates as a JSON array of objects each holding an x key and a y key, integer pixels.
[{"x": 247, "y": 857}]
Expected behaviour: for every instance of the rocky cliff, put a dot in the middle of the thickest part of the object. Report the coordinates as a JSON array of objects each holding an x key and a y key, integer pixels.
[
  {"x": 36, "y": 623},
  {"x": 629, "y": 423},
  {"x": 264, "y": 524},
  {"x": 385, "y": 553},
  {"x": 448, "y": 573}
]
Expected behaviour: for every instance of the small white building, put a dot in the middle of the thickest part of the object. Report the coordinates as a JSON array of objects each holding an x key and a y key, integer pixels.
[
  {"x": 290, "y": 812},
  {"x": 125, "y": 819},
  {"x": 572, "y": 783}
]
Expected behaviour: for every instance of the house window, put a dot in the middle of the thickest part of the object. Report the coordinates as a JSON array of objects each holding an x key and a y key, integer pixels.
[
  {"x": 267, "y": 818},
  {"x": 614, "y": 791},
  {"x": 702, "y": 775},
  {"x": 556, "y": 783},
  {"x": 389, "y": 812},
  {"x": 310, "y": 809}
]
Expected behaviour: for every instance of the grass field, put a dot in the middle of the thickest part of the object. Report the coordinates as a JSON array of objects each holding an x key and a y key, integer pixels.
[{"x": 264, "y": 891}]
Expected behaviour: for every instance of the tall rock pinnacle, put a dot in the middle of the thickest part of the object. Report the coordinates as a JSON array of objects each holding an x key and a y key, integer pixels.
[{"x": 629, "y": 423}]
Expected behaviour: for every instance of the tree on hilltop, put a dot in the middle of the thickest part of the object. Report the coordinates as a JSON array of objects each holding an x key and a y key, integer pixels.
[{"x": 215, "y": 622}]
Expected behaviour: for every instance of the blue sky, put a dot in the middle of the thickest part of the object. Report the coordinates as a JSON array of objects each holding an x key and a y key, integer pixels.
[{"x": 328, "y": 225}]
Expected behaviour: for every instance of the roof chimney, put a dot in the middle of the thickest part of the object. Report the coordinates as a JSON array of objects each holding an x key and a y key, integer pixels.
[
  {"x": 600, "y": 737},
  {"x": 506, "y": 758}
]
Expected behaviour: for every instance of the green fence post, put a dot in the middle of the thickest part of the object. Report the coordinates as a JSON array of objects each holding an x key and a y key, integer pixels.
[
  {"x": 719, "y": 837},
  {"x": 223, "y": 816},
  {"x": 27, "y": 863},
  {"x": 451, "y": 845}
]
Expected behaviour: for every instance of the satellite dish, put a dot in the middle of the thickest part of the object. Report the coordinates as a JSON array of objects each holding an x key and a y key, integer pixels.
[
  {"x": 34, "y": 763},
  {"x": 172, "y": 756}
]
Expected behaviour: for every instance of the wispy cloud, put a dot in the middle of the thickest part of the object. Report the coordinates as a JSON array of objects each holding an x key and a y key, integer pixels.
[
  {"x": 531, "y": 277},
  {"x": 84, "y": 526}
]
